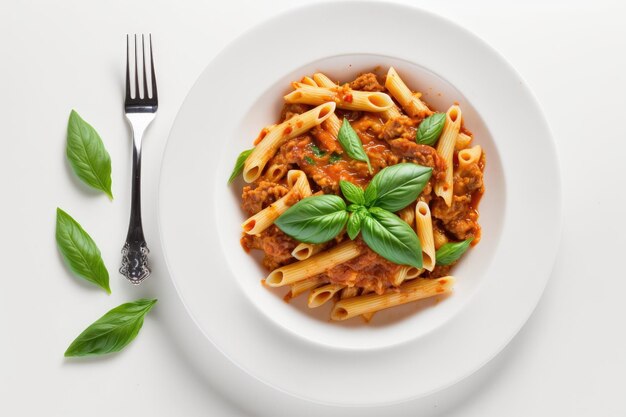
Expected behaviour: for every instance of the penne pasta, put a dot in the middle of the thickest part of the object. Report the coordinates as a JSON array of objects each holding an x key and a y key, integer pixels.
[
  {"x": 322, "y": 80},
  {"x": 414, "y": 290},
  {"x": 344, "y": 97},
  {"x": 391, "y": 113},
  {"x": 308, "y": 81},
  {"x": 409, "y": 102},
  {"x": 316, "y": 264},
  {"x": 407, "y": 214},
  {"x": 463, "y": 141},
  {"x": 281, "y": 133},
  {"x": 445, "y": 149},
  {"x": 367, "y": 316},
  {"x": 424, "y": 227},
  {"x": 469, "y": 156},
  {"x": 300, "y": 287},
  {"x": 321, "y": 295},
  {"x": 305, "y": 250},
  {"x": 299, "y": 184},
  {"x": 275, "y": 172}
]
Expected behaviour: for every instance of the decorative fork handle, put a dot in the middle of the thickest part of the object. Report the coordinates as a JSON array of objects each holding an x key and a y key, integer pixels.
[{"x": 135, "y": 251}]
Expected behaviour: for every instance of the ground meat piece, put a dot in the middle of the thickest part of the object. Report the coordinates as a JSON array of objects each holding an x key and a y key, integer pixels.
[
  {"x": 440, "y": 271},
  {"x": 460, "y": 219},
  {"x": 369, "y": 271},
  {"x": 257, "y": 196},
  {"x": 368, "y": 124},
  {"x": 367, "y": 82},
  {"x": 276, "y": 245},
  {"x": 325, "y": 140},
  {"x": 420, "y": 154},
  {"x": 400, "y": 127},
  {"x": 468, "y": 180},
  {"x": 292, "y": 109}
]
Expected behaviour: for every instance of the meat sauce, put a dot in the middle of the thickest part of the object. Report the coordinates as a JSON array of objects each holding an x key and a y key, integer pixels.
[{"x": 321, "y": 157}]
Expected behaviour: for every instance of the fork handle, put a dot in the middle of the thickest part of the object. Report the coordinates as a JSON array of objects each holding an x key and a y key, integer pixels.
[{"x": 135, "y": 251}]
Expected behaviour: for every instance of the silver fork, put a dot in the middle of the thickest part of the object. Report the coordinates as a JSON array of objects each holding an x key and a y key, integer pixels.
[{"x": 140, "y": 111}]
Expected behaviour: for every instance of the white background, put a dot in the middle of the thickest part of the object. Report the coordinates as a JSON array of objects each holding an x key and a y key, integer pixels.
[{"x": 570, "y": 358}]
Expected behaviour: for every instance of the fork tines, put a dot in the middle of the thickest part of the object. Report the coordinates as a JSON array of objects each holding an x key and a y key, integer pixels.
[{"x": 140, "y": 98}]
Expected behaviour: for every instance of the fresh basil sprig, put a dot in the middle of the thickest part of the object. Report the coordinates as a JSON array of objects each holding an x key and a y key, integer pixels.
[
  {"x": 430, "y": 129},
  {"x": 391, "y": 237},
  {"x": 356, "y": 221},
  {"x": 87, "y": 155},
  {"x": 397, "y": 186},
  {"x": 241, "y": 160},
  {"x": 319, "y": 219},
  {"x": 315, "y": 219},
  {"x": 80, "y": 251},
  {"x": 113, "y": 331},
  {"x": 351, "y": 143},
  {"x": 451, "y": 252},
  {"x": 352, "y": 193}
]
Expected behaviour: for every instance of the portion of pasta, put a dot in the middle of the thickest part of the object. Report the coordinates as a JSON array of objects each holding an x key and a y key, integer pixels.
[{"x": 361, "y": 194}]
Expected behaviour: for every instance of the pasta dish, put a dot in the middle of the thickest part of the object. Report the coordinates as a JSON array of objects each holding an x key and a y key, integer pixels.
[{"x": 361, "y": 194}]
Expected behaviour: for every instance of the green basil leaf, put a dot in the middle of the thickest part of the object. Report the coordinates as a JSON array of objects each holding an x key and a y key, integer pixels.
[
  {"x": 315, "y": 219},
  {"x": 334, "y": 158},
  {"x": 397, "y": 186},
  {"x": 390, "y": 237},
  {"x": 451, "y": 252},
  {"x": 351, "y": 143},
  {"x": 352, "y": 192},
  {"x": 113, "y": 331},
  {"x": 430, "y": 129},
  {"x": 238, "y": 168},
  {"x": 87, "y": 155},
  {"x": 80, "y": 251},
  {"x": 317, "y": 151},
  {"x": 354, "y": 222},
  {"x": 309, "y": 160}
]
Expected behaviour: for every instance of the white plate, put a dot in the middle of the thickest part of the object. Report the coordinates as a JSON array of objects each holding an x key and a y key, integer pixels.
[{"x": 406, "y": 352}]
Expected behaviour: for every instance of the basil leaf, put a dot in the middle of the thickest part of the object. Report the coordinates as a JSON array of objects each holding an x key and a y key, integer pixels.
[
  {"x": 87, "y": 155},
  {"x": 390, "y": 237},
  {"x": 238, "y": 168},
  {"x": 113, "y": 331},
  {"x": 352, "y": 192},
  {"x": 317, "y": 151},
  {"x": 334, "y": 158},
  {"x": 351, "y": 143},
  {"x": 309, "y": 160},
  {"x": 315, "y": 219},
  {"x": 354, "y": 222},
  {"x": 451, "y": 252},
  {"x": 80, "y": 251},
  {"x": 397, "y": 186},
  {"x": 430, "y": 129}
]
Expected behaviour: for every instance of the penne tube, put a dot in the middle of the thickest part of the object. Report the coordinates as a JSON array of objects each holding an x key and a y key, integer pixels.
[
  {"x": 332, "y": 125},
  {"x": 406, "y": 273},
  {"x": 323, "y": 81},
  {"x": 305, "y": 250},
  {"x": 367, "y": 316},
  {"x": 316, "y": 264},
  {"x": 391, "y": 113},
  {"x": 407, "y": 214},
  {"x": 424, "y": 227},
  {"x": 344, "y": 97},
  {"x": 281, "y": 133},
  {"x": 299, "y": 287},
  {"x": 275, "y": 172},
  {"x": 299, "y": 184},
  {"x": 321, "y": 295},
  {"x": 445, "y": 149},
  {"x": 409, "y": 102},
  {"x": 469, "y": 156},
  {"x": 414, "y": 290},
  {"x": 463, "y": 141}
]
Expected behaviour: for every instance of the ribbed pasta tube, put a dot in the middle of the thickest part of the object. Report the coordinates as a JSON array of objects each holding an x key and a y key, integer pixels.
[
  {"x": 410, "y": 102},
  {"x": 445, "y": 149},
  {"x": 345, "y": 98},
  {"x": 321, "y": 295},
  {"x": 424, "y": 226}
]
